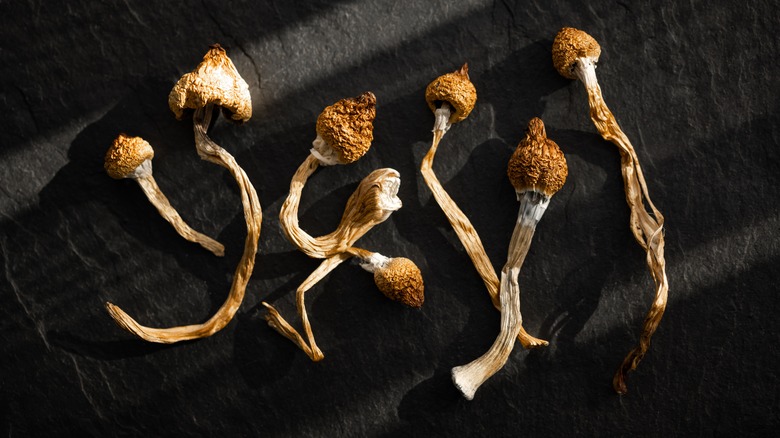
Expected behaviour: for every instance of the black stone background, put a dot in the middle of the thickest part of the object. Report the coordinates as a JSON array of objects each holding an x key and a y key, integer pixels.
[{"x": 693, "y": 84}]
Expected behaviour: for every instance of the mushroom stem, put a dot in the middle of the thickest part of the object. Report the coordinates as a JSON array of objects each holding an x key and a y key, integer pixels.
[
  {"x": 647, "y": 228},
  {"x": 161, "y": 203},
  {"x": 397, "y": 278},
  {"x": 278, "y": 323},
  {"x": 371, "y": 204},
  {"x": 462, "y": 226},
  {"x": 210, "y": 151},
  {"x": 468, "y": 378}
]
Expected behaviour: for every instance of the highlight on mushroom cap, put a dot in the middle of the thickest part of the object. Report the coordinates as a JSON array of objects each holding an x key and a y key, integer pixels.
[
  {"x": 401, "y": 280},
  {"x": 537, "y": 163},
  {"x": 570, "y": 44},
  {"x": 456, "y": 89},
  {"x": 125, "y": 155},
  {"x": 215, "y": 80},
  {"x": 347, "y": 126}
]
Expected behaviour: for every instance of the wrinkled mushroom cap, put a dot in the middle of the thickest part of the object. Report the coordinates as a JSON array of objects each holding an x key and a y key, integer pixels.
[
  {"x": 125, "y": 155},
  {"x": 456, "y": 89},
  {"x": 569, "y": 45},
  {"x": 538, "y": 163},
  {"x": 401, "y": 281},
  {"x": 347, "y": 126},
  {"x": 215, "y": 81}
]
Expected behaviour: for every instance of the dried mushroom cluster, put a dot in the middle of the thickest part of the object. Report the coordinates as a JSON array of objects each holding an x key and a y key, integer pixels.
[
  {"x": 537, "y": 170},
  {"x": 344, "y": 134},
  {"x": 455, "y": 90},
  {"x": 215, "y": 82}
]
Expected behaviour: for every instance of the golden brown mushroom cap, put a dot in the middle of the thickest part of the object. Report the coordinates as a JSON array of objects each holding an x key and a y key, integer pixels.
[
  {"x": 348, "y": 126},
  {"x": 126, "y": 154},
  {"x": 402, "y": 281},
  {"x": 216, "y": 81},
  {"x": 456, "y": 89},
  {"x": 538, "y": 162},
  {"x": 570, "y": 44}
]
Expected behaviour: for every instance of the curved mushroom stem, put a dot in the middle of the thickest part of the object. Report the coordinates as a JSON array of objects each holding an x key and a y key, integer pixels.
[
  {"x": 161, "y": 203},
  {"x": 468, "y": 378},
  {"x": 278, "y": 323},
  {"x": 647, "y": 228},
  {"x": 375, "y": 198},
  {"x": 460, "y": 223},
  {"x": 371, "y": 204},
  {"x": 210, "y": 151}
]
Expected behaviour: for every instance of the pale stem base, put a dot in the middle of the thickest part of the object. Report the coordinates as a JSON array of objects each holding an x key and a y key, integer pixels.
[{"x": 468, "y": 378}]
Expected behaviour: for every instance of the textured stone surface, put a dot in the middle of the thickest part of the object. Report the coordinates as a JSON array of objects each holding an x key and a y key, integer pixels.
[{"x": 693, "y": 85}]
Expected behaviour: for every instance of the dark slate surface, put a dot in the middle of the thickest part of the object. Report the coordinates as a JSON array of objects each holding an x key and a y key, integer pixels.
[{"x": 693, "y": 85}]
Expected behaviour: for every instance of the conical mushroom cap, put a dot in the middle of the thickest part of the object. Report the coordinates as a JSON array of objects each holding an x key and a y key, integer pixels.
[
  {"x": 125, "y": 155},
  {"x": 347, "y": 126},
  {"x": 216, "y": 81},
  {"x": 537, "y": 163},
  {"x": 402, "y": 281},
  {"x": 456, "y": 89},
  {"x": 570, "y": 44}
]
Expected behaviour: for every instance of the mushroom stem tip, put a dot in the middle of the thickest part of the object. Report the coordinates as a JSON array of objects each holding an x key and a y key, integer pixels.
[{"x": 464, "y": 384}]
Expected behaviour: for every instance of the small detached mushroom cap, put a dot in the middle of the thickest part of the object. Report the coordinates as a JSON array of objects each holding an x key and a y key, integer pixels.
[
  {"x": 456, "y": 89},
  {"x": 216, "y": 81},
  {"x": 570, "y": 44},
  {"x": 538, "y": 162},
  {"x": 402, "y": 281},
  {"x": 348, "y": 126},
  {"x": 125, "y": 155}
]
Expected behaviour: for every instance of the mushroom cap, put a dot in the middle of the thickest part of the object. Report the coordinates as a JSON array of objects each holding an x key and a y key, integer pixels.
[
  {"x": 537, "y": 163},
  {"x": 348, "y": 126},
  {"x": 402, "y": 281},
  {"x": 570, "y": 44},
  {"x": 125, "y": 155},
  {"x": 215, "y": 80},
  {"x": 456, "y": 89}
]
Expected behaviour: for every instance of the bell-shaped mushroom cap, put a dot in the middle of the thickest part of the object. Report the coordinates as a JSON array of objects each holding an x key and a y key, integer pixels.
[
  {"x": 570, "y": 44},
  {"x": 125, "y": 155},
  {"x": 402, "y": 281},
  {"x": 216, "y": 81},
  {"x": 456, "y": 89},
  {"x": 347, "y": 126},
  {"x": 538, "y": 163}
]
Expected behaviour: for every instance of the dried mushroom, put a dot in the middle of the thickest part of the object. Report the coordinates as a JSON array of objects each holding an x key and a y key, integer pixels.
[
  {"x": 215, "y": 82},
  {"x": 131, "y": 157},
  {"x": 537, "y": 171},
  {"x": 575, "y": 54},
  {"x": 445, "y": 93}
]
